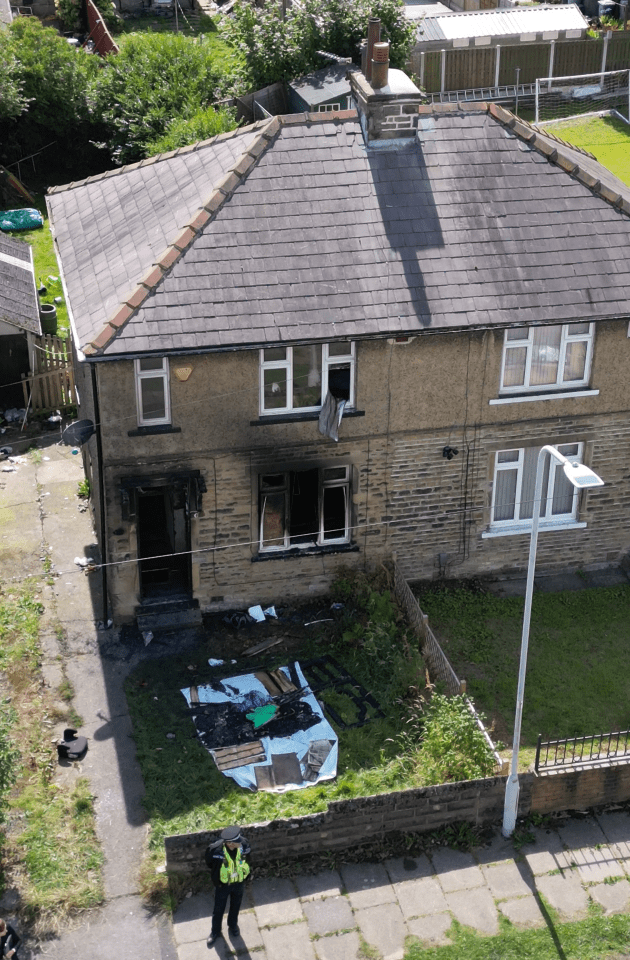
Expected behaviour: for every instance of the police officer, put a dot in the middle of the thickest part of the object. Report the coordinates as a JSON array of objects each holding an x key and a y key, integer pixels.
[{"x": 229, "y": 868}]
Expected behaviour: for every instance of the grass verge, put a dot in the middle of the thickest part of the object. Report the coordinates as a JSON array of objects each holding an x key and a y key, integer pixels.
[
  {"x": 578, "y": 667},
  {"x": 596, "y": 938},
  {"x": 51, "y": 854},
  {"x": 45, "y": 264}
]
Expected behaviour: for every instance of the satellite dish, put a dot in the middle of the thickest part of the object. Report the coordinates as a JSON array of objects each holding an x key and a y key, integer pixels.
[{"x": 78, "y": 433}]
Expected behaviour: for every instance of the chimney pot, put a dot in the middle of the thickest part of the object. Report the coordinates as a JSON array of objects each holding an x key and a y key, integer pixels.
[
  {"x": 380, "y": 65},
  {"x": 374, "y": 35}
]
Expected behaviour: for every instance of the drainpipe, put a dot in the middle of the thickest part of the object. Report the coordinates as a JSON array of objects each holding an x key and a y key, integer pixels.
[{"x": 101, "y": 486}]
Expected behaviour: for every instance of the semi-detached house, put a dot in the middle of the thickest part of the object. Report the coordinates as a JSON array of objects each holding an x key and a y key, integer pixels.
[{"x": 451, "y": 282}]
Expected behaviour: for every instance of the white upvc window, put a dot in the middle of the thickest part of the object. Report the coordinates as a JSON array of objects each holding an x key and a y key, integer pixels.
[
  {"x": 327, "y": 108},
  {"x": 304, "y": 508},
  {"x": 152, "y": 391},
  {"x": 297, "y": 379},
  {"x": 514, "y": 483},
  {"x": 555, "y": 357}
]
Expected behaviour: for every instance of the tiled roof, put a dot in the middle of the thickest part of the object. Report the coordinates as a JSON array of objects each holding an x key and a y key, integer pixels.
[
  {"x": 19, "y": 305},
  {"x": 481, "y": 222}
]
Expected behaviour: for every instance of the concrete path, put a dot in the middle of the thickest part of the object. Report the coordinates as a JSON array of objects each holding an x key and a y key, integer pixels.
[
  {"x": 332, "y": 915},
  {"x": 42, "y": 517}
]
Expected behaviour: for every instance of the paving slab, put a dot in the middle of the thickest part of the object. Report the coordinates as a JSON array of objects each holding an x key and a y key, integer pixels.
[
  {"x": 594, "y": 865},
  {"x": 367, "y": 884},
  {"x": 509, "y": 880},
  {"x": 417, "y": 898},
  {"x": 613, "y": 897},
  {"x": 456, "y": 870},
  {"x": 498, "y": 850},
  {"x": 408, "y": 868},
  {"x": 251, "y": 937},
  {"x": 288, "y": 943},
  {"x": 475, "y": 908},
  {"x": 276, "y": 902},
  {"x": 432, "y": 930},
  {"x": 325, "y": 884},
  {"x": 384, "y": 928},
  {"x": 523, "y": 912},
  {"x": 565, "y": 894},
  {"x": 329, "y": 915},
  {"x": 191, "y": 920},
  {"x": 344, "y": 946},
  {"x": 577, "y": 833},
  {"x": 615, "y": 825},
  {"x": 546, "y": 853}
]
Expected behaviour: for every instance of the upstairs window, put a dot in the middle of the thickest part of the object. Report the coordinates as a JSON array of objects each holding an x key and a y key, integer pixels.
[
  {"x": 297, "y": 379},
  {"x": 152, "y": 391},
  {"x": 514, "y": 488},
  {"x": 557, "y": 357},
  {"x": 305, "y": 508}
]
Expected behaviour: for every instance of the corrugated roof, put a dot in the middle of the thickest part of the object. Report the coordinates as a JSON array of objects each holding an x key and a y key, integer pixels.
[
  {"x": 480, "y": 222},
  {"x": 498, "y": 23},
  {"x": 19, "y": 305}
]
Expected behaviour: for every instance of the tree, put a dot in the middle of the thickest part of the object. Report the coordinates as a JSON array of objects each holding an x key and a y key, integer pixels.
[
  {"x": 283, "y": 49},
  {"x": 154, "y": 79},
  {"x": 205, "y": 123},
  {"x": 13, "y": 101}
]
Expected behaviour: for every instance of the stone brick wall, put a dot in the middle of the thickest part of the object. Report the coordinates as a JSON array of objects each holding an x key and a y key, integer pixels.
[{"x": 347, "y": 823}]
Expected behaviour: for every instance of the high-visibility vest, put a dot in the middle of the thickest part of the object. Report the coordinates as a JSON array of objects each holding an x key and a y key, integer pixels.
[{"x": 233, "y": 870}]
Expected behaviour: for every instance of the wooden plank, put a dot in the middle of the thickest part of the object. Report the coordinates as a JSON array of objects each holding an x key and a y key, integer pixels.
[
  {"x": 268, "y": 682},
  {"x": 227, "y": 758},
  {"x": 251, "y": 651},
  {"x": 285, "y": 685}
]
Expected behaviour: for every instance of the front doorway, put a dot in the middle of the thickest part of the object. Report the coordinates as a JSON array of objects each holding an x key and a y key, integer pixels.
[{"x": 163, "y": 542}]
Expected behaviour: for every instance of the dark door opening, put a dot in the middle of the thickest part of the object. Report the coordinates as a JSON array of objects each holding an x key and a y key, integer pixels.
[{"x": 163, "y": 543}]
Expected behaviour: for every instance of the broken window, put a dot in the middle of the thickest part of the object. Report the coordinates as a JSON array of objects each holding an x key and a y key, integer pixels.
[
  {"x": 152, "y": 391},
  {"x": 305, "y": 508},
  {"x": 297, "y": 379}
]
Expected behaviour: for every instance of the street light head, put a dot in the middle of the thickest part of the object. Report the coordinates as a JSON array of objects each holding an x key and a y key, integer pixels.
[{"x": 581, "y": 476}]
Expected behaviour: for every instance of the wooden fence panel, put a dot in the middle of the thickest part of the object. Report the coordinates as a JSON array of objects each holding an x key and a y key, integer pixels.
[
  {"x": 50, "y": 386},
  {"x": 575, "y": 57},
  {"x": 533, "y": 62},
  {"x": 462, "y": 66}
]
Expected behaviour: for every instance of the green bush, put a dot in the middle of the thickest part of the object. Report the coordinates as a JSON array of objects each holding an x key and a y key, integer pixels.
[
  {"x": 154, "y": 79},
  {"x": 206, "y": 123}
]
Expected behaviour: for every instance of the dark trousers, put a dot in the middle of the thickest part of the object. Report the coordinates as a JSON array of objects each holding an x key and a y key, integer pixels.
[{"x": 233, "y": 891}]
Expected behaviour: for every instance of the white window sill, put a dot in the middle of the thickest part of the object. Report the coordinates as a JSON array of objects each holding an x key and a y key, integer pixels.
[
  {"x": 518, "y": 529},
  {"x": 557, "y": 395}
]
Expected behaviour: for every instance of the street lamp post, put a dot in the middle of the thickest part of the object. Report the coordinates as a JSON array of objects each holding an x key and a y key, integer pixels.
[{"x": 581, "y": 477}]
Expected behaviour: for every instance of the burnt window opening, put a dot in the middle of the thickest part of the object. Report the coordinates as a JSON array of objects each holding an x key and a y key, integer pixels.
[
  {"x": 304, "y": 508},
  {"x": 339, "y": 382}
]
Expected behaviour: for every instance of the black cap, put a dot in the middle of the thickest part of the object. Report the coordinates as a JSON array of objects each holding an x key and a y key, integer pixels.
[{"x": 231, "y": 834}]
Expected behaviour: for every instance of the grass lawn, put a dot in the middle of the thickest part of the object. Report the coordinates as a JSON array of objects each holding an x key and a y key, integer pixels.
[
  {"x": 186, "y": 793},
  {"x": 225, "y": 56},
  {"x": 45, "y": 264},
  {"x": 607, "y": 138},
  {"x": 578, "y": 669},
  {"x": 596, "y": 938}
]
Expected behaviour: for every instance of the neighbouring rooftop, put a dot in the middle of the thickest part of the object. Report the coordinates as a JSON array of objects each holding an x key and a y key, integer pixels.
[{"x": 527, "y": 22}]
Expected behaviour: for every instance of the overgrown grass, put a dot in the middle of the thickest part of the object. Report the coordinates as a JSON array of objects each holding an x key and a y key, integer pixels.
[
  {"x": 51, "y": 852},
  {"x": 225, "y": 56},
  {"x": 186, "y": 793},
  {"x": 578, "y": 668},
  {"x": 596, "y": 938},
  {"x": 607, "y": 138},
  {"x": 45, "y": 263}
]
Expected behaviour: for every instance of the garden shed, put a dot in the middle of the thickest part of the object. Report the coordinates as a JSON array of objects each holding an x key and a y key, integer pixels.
[{"x": 323, "y": 91}]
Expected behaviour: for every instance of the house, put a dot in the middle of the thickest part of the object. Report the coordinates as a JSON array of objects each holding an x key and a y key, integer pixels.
[
  {"x": 19, "y": 318},
  {"x": 322, "y": 91},
  {"x": 457, "y": 279}
]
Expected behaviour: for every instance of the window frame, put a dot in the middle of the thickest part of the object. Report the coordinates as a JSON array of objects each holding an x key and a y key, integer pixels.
[
  {"x": 324, "y": 484},
  {"x": 548, "y": 519},
  {"x": 327, "y": 363},
  {"x": 155, "y": 374},
  {"x": 527, "y": 342}
]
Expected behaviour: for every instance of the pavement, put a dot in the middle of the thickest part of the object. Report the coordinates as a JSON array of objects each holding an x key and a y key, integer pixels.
[
  {"x": 334, "y": 914},
  {"x": 329, "y": 916}
]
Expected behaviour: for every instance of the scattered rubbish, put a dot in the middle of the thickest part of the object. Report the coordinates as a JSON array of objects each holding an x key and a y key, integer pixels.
[
  {"x": 83, "y": 561},
  {"x": 337, "y": 606},
  {"x": 58, "y": 299},
  {"x": 271, "y": 612},
  {"x": 14, "y": 414},
  {"x": 275, "y": 682},
  {"x": 256, "y": 613},
  {"x": 73, "y": 746},
  {"x": 317, "y": 752},
  {"x": 48, "y": 458},
  {"x": 147, "y": 636},
  {"x": 237, "y": 620},
  {"x": 191, "y": 666},
  {"x": 259, "y": 647},
  {"x": 9, "y": 470},
  {"x": 227, "y": 758},
  {"x": 55, "y": 418},
  {"x": 170, "y": 736},
  {"x": 326, "y": 620},
  {"x": 263, "y": 714},
  {"x": 74, "y": 452},
  {"x": 7, "y": 451},
  {"x": 215, "y": 663},
  {"x": 104, "y": 626}
]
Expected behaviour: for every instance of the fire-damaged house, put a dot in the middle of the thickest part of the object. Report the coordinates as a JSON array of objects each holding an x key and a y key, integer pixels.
[{"x": 325, "y": 339}]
